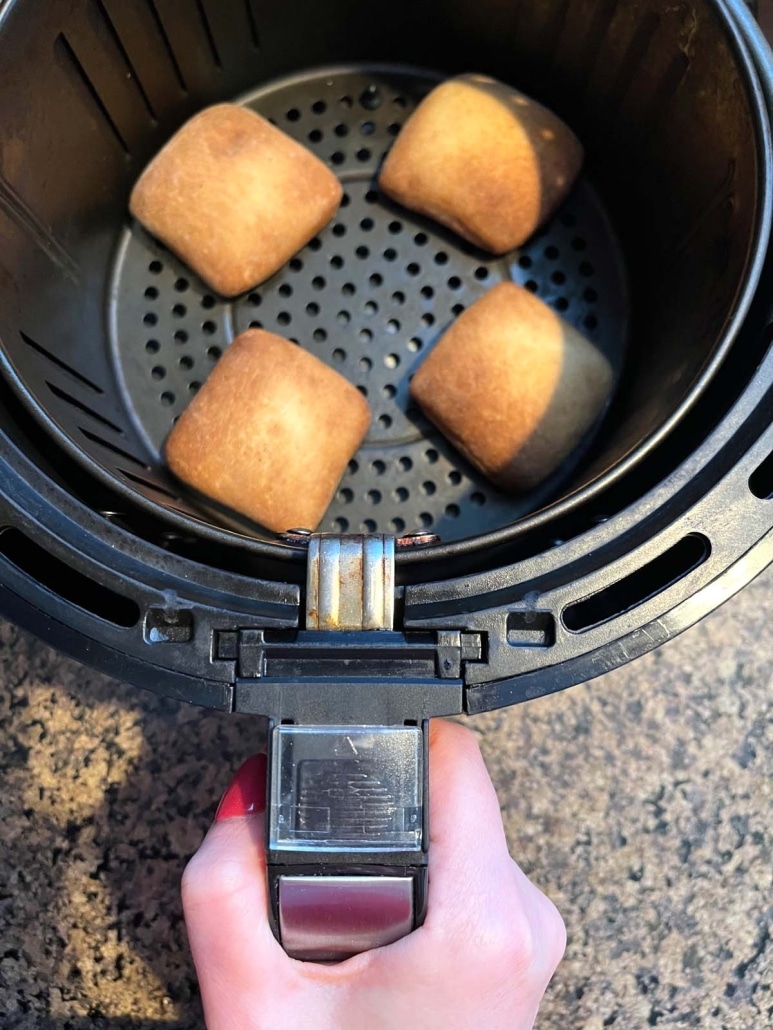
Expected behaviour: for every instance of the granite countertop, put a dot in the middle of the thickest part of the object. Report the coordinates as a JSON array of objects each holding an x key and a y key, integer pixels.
[{"x": 641, "y": 803}]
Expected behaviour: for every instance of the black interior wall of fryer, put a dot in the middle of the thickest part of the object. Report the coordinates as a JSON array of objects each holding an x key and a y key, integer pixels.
[{"x": 89, "y": 89}]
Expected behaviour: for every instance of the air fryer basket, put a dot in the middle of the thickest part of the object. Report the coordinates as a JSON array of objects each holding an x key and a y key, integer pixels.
[
  {"x": 373, "y": 293},
  {"x": 658, "y": 256},
  {"x": 369, "y": 296}
]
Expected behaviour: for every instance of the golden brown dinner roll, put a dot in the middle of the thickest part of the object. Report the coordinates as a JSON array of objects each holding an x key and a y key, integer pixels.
[
  {"x": 270, "y": 432},
  {"x": 513, "y": 386},
  {"x": 234, "y": 197},
  {"x": 484, "y": 160}
]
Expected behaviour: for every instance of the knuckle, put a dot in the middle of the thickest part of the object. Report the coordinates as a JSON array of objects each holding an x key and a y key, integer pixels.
[
  {"x": 555, "y": 934},
  {"x": 520, "y": 948},
  {"x": 504, "y": 938},
  {"x": 194, "y": 883},
  {"x": 541, "y": 940},
  {"x": 203, "y": 883},
  {"x": 519, "y": 940},
  {"x": 527, "y": 933}
]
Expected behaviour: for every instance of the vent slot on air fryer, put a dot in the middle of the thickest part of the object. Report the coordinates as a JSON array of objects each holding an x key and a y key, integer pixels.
[
  {"x": 67, "y": 369},
  {"x": 631, "y": 591},
  {"x": 65, "y": 581},
  {"x": 761, "y": 480}
]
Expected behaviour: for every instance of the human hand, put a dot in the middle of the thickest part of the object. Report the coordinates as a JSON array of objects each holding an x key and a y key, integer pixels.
[{"x": 489, "y": 945}]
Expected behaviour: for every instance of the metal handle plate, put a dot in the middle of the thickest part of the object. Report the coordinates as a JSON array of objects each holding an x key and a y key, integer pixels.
[{"x": 330, "y": 918}]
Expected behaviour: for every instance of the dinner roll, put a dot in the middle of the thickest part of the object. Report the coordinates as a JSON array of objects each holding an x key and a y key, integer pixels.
[
  {"x": 270, "y": 433},
  {"x": 513, "y": 386},
  {"x": 234, "y": 197},
  {"x": 483, "y": 159}
]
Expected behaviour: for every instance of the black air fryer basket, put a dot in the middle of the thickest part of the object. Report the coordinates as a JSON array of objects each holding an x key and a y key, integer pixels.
[{"x": 661, "y": 256}]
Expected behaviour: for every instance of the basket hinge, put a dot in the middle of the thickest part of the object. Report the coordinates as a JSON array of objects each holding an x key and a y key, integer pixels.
[{"x": 350, "y": 583}]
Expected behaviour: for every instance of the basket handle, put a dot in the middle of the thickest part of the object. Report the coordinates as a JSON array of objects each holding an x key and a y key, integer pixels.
[
  {"x": 347, "y": 829},
  {"x": 346, "y": 837}
]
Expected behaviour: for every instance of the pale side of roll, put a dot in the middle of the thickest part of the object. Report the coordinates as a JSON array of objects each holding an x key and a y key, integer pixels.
[{"x": 513, "y": 386}]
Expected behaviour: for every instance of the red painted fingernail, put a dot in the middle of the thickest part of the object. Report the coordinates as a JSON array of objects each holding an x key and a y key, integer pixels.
[{"x": 246, "y": 794}]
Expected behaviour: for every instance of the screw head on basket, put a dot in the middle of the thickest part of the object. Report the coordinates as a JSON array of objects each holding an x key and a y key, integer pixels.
[
  {"x": 301, "y": 537},
  {"x": 420, "y": 539},
  {"x": 296, "y": 536}
]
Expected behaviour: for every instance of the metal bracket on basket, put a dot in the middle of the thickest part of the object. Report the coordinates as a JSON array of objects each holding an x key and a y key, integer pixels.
[
  {"x": 350, "y": 583},
  {"x": 347, "y": 807}
]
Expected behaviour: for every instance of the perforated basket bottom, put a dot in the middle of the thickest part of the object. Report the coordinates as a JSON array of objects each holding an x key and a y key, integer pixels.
[{"x": 369, "y": 296}]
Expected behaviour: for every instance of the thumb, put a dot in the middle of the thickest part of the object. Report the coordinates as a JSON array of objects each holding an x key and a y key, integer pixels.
[{"x": 224, "y": 888}]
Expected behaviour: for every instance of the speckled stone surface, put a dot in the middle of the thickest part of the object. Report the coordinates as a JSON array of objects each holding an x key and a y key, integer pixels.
[{"x": 641, "y": 802}]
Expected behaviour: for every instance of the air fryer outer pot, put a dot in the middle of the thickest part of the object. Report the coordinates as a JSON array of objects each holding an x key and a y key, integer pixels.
[{"x": 204, "y": 616}]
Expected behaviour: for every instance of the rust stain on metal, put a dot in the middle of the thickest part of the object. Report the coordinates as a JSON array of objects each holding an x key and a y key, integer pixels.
[{"x": 350, "y": 583}]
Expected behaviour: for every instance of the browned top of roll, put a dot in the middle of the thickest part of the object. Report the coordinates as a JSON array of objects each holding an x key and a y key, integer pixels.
[
  {"x": 270, "y": 433},
  {"x": 234, "y": 197},
  {"x": 483, "y": 159}
]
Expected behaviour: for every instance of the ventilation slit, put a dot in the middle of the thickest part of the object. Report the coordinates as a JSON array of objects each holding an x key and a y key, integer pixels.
[
  {"x": 69, "y": 399},
  {"x": 92, "y": 91},
  {"x": 67, "y": 582},
  {"x": 647, "y": 582},
  {"x": 124, "y": 54},
  {"x": 148, "y": 484},
  {"x": 253, "y": 24},
  {"x": 761, "y": 480},
  {"x": 40, "y": 349},
  {"x": 112, "y": 447},
  {"x": 208, "y": 33},
  {"x": 167, "y": 44}
]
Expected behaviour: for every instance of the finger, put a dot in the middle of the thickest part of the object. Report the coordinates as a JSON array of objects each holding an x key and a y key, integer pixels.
[
  {"x": 466, "y": 831},
  {"x": 225, "y": 896},
  {"x": 474, "y": 885}
]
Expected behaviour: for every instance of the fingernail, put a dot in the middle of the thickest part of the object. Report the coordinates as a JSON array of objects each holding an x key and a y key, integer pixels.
[{"x": 246, "y": 794}]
